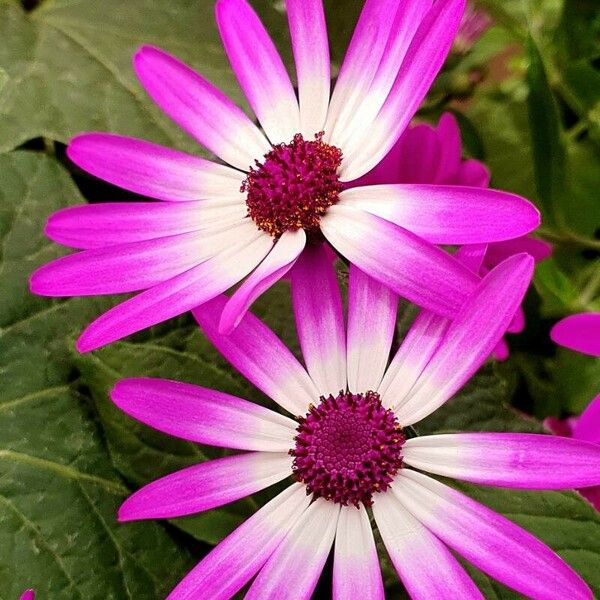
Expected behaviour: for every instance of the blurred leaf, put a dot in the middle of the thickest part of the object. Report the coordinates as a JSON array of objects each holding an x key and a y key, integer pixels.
[
  {"x": 547, "y": 144},
  {"x": 58, "y": 489},
  {"x": 576, "y": 380},
  {"x": 3, "y": 78},
  {"x": 579, "y": 33},
  {"x": 558, "y": 293}
]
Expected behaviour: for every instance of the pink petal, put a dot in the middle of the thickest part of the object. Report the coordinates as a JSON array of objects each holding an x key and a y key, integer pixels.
[
  {"x": 488, "y": 540},
  {"x": 472, "y": 173},
  {"x": 207, "y": 485},
  {"x": 100, "y": 225},
  {"x": 372, "y": 309},
  {"x": 180, "y": 294},
  {"x": 292, "y": 571},
  {"x": 500, "y": 251},
  {"x": 200, "y": 108},
  {"x": 516, "y": 460},
  {"x": 423, "y": 60},
  {"x": 587, "y": 427},
  {"x": 153, "y": 170},
  {"x": 413, "y": 268},
  {"x": 205, "y": 416},
  {"x": 472, "y": 256},
  {"x": 277, "y": 263},
  {"x": 470, "y": 338},
  {"x": 320, "y": 320},
  {"x": 517, "y": 325},
  {"x": 308, "y": 31},
  {"x": 579, "y": 332},
  {"x": 425, "y": 566},
  {"x": 259, "y": 69},
  {"x": 372, "y": 62},
  {"x": 28, "y": 595},
  {"x": 448, "y": 132},
  {"x": 501, "y": 351},
  {"x": 355, "y": 562},
  {"x": 447, "y": 214},
  {"x": 227, "y": 568},
  {"x": 260, "y": 356},
  {"x": 592, "y": 495}
]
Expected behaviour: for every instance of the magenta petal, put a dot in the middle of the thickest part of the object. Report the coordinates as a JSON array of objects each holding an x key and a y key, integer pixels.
[
  {"x": 256, "y": 352},
  {"x": 28, "y": 595},
  {"x": 277, "y": 263},
  {"x": 207, "y": 485},
  {"x": 592, "y": 495},
  {"x": 448, "y": 214},
  {"x": 292, "y": 571},
  {"x": 152, "y": 170},
  {"x": 488, "y": 540},
  {"x": 501, "y": 352},
  {"x": 227, "y": 568},
  {"x": 472, "y": 173},
  {"x": 259, "y": 69},
  {"x": 200, "y": 108},
  {"x": 450, "y": 142},
  {"x": 579, "y": 332},
  {"x": 515, "y": 460},
  {"x": 201, "y": 415},
  {"x": 500, "y": 251},
  {"x": 425, "y": 566},
  {"x": 410, "y": 266},
  {"x": 320, "y": 319},
  {"x": 470, "y": 338},
  {"x": 587, "y": 427}
]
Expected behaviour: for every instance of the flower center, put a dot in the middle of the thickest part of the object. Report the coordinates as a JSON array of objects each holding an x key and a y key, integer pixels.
[
  {"x": 294, "y": 185},
  {"x": 348, "y": 448}
]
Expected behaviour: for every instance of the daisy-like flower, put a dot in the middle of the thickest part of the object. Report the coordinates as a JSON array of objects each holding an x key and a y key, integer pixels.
[
  {"x": 279, "y": 187},
  {"x": 433, "y": 155},
  {"x": 579, "y": 332},
  {"x": 349, "y": 449}
]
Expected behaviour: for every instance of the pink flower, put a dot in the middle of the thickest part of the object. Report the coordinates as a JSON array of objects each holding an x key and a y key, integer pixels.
[
  {"x": 579, "y": 332},
  {"x": 28, "y": 595},
  {"x": 349, "y": 449},
  {"x": 474, "y": 24},
  {"x": 219, "y": 223},
  {"x": 433, "y": 155}
]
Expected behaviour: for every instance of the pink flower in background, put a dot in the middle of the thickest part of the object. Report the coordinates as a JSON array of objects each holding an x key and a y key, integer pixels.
[
  {"x": 426, "y": 154},
  {"x": 281, "y": 186},
  {"x": 349, "y": 449},
  {"x": 28, "y": 595},
  {"x": 579, "y": 332},
  {"x": 474, "y": 24}
]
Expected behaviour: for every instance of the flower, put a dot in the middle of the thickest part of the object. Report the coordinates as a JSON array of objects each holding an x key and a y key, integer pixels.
[
  {"x": 28, "y": 595},
  {"x": 251, "y": 217},
  {"x": 474, "y": 24},
  {"x": 579, "y": 332},
  {"x": 587, "y": 428},
  {"x": 433, "y": 155},
  {"x": 349, "y": 449}
]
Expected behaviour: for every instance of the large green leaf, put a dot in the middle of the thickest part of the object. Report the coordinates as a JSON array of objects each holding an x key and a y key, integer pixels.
[{"x": 58, "y": 488}]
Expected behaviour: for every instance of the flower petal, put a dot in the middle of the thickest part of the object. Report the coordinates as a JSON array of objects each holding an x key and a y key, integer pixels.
[
  {"x": 227, "y": 568},
  {"x": 587, "y": 427},
  {"x": 516, "y": 460},
  {"x": 207, "y": 485},
  {"x": 310, "y": 44},
  {"x": 372, "y": 309},
  {"x": 261, "y": 357},
  {"x": 443, "y": 214},
  {"x": 355, "y": 564},
  {"x": 488, "y": 540},
  {"x": 153, "y": 170},
  {"x": 320, "y": 319},
  {"x": 180, "y": 294},
  {"x": 277, "y": 263},
  {"x": 448, "y": 133},
  {"x": 425, "y": 566},
  {"x": 200, "y": 108},
  {"x": 413, "y": 268},
  {"x": 100, "y": 225},
  {"x": 202, "y": 415},
  {"x": 500, "y": 251},
  {"x": 292, "y": 571},
  {"x": 259, "y": 69},
  {"x": 579, "y": 332},
  {"x": 473, "y": 173},
  {"x": 470, "y": 338},
  {"x": 424, "y": 58}
]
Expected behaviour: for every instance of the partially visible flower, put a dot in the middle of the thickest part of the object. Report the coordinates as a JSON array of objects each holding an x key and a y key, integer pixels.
[
  {"x": 579, "y": 332},
  {"x": 586, "y": 428},
  {"x": 348, "y": 449},
  {"x": 28, "y": 595},
  {"x": 280, "y": 189},
  {"x": 474, "y": 24},
  {"x": 426, "y": 154}
]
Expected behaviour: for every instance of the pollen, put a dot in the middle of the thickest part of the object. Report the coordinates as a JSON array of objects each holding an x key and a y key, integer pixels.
[
  {"x": 294, "y": 185},
  {"x": 348, "y": 448}
]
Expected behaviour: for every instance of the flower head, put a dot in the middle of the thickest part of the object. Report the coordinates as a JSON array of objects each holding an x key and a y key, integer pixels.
[
  {"x": 345, "y": 447},
  {"x": 275, "y": 188}
]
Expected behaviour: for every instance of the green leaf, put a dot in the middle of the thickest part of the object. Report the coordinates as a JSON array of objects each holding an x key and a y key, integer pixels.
[
  {"x": 59, "y": 491},
  {"x": 547, "y": 143}
]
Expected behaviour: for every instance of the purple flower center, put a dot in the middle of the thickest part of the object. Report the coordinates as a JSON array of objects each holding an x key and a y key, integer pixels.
[
  {"x": 294, "y": 185},
  {"x": 347, "y": 448}
]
